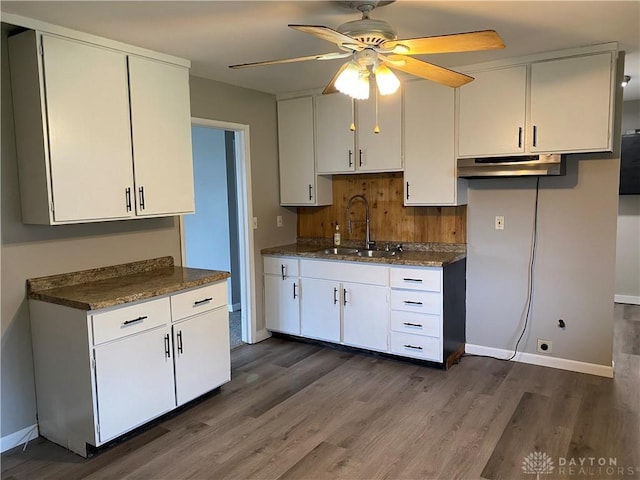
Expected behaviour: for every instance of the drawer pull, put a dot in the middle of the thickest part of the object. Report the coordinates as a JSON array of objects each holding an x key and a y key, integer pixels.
[
  {"x": 180, "y": 341},
  {"x": 167, "y": 346},
  {"x": 135, "y": 320},
  {"x": 344, "y": 296},
  {"x": 413, "y": 347},
  {"x": 295, "y": 294},
  {"x": 204, "y": 300},
  {"x": 409, "y": 324},
  {"x": 335, "y": 295},
  {"x": 411, "y": 302},
  {"x": 282, "y": 269},
  {"x": 418, "y": 280}
]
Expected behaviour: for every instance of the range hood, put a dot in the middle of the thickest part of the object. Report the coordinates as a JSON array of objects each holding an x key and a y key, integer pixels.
[{"x": 522, "y": 166}]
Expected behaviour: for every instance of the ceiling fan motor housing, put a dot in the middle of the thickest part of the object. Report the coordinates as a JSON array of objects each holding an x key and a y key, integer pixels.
[{"x": 369, "y": 31}]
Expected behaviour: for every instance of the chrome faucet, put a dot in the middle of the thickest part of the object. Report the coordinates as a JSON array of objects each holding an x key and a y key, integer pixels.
[{"x": 367, "y": 239}]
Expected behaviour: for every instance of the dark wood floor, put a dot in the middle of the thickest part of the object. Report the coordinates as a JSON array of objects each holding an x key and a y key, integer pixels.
[{"x": 300, "y": 411}]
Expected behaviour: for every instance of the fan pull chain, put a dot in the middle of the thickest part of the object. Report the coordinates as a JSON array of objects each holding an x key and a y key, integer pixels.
[
  {"x": 376, "y": 129},
  {"x": 352, "y": 127}
]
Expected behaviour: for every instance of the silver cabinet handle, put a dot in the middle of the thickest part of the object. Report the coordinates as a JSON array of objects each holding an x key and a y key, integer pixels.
[
  {"x": 519, "y": 137},
  {"x": 535, "y": 135},
  {"x": 407, "y": 190},
  {"x": 413, "y": 347},
  {"x": 360, "y": 156},
  {"x": 344, "y": 296},
  {"x": 350, "y": 158},
  {"x": 167, "y": 346},
  {"x": 310, "y": 195},
  {"x": 411, "y": 302},
  {"x": 418, "y": 280},
  {"x": 295, "y": 294},
  {"x": 282, "y": 269}
]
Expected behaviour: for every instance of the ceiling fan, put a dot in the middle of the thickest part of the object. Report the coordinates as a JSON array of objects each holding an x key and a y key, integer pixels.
[{"x": 374, "y": 49}]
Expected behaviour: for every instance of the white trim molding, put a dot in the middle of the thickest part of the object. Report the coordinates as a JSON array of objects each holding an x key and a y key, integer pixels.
[
  {"x": 630, "y": 299},
  {"x": 543, "y": 360},
  {"x": 18, "y": 438}
]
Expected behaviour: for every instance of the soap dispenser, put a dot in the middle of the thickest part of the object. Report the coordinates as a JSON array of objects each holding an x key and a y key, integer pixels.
[{"x": 336, "y": 236}]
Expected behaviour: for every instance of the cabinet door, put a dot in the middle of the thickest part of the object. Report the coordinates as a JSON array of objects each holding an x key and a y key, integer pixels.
[
  {"x": 571, "y": 104},
  {"x": 202, "y": 354},
  {"x": 320, "y": 309},
  {"x": 430, "y": 164},
  {"x": 296, "y": 151},
  {"x": 366, "y": 316},
  {"x": 491, "y": 113},
  {"x": 381, "y": 152},
  {"x": 161, "y": 132},
  {"x": 87, "y": 106},
  {"x": 334, "y": 139},
  {"x": 134, "y": 381},
  {"x": 282, "y": 304}
]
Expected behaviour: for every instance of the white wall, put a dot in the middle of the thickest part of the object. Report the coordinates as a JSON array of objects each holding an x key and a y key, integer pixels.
[{"x": 627, "y": 286}]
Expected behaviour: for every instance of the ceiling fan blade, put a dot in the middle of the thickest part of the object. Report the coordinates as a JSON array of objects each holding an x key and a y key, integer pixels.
[
  {"x": 456, "y": 42},
  {"x": 331, "y": 35},
  {"x": 331, "y": 86},
  {"x": 426, "y": 70},
  {"x": 323, "y": 56}
]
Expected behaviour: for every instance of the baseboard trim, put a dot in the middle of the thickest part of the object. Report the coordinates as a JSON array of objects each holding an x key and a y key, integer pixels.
[
  {"x": 18, "y": 438},
  {"x": 633, "y": 300},
  {"x": 543, "y": 360}
]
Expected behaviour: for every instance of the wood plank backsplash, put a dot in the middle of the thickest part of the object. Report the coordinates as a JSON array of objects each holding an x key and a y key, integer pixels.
[{"x": 390, "y": 219}]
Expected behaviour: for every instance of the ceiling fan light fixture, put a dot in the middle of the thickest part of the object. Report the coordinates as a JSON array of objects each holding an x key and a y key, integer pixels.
[
  {"x": 354, "y": 81},
  {"x": 386, "y": 80}
]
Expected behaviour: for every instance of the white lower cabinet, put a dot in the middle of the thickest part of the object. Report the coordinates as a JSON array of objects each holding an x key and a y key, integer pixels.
[
  {"x": 134, "y": 381},
  {"x": 282, "y": 295},
  {"x": 416, "y": 312},
  {"x": 321, "y": 308},
  {"x": 102, "y": 373}
]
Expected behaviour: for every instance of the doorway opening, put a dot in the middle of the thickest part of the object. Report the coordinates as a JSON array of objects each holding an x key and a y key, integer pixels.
[{"x": 219, "y": 235}]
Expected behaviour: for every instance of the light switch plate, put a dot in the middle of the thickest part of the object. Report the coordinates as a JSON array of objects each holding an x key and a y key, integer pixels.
[
  {"x": 279, "y": 221},
  {"x": 255, "y": 223}
]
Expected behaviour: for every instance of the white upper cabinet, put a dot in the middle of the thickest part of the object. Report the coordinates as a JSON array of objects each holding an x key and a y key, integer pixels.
[
  {"x": 340, "y": 150},
  {"x": 430, "y": 161},
  {"x": 379, "y": 152},
  {"x": 562, "y": 104},
  {"x": 75, "y": 104},
  {"x": 161, "y": 132},
  {"x": 571, "y": 104},
  {"x": 491, "y": 118},
  {"x": 335, "y": 147},
  {"x": 299, "y": 184}
]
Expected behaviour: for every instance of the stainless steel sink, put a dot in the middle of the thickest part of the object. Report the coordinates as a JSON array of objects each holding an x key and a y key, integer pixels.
[
  {"x": 377, "y": 253},
  {"x": 340, "y": 251}
]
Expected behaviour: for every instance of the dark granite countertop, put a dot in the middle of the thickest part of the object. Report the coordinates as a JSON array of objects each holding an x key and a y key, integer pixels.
[
  {"x": 108, "y": 286},
  {"x": 419, "y": 255}
]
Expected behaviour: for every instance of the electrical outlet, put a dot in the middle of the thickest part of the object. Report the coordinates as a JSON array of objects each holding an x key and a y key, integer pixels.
[
  {"x": 279, "y": 221},
  {"x": 255, "y": 223},
  {"x": 499, "y": 222},
  {"x": 544, "y": 346}
]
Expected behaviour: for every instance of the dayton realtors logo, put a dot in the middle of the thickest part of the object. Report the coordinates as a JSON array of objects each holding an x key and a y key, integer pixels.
[{"x": 538, "y": 463}]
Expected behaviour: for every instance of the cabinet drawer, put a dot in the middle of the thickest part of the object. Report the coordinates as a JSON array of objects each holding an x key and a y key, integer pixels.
[
  {"x": 354, "y": 272},
  {"x": 426, "y": 348},
  {"x": 199, "y": 300},
  {"x": 417, "y": 302},
  {"x": 417, "y": 278},
  {"x": 286, "y": 266},
  {"x": 416, "y": 323},
  {"x": 124, "y": 321}
]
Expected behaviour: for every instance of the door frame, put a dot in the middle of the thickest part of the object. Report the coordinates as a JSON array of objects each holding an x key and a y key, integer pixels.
[{"x": 245, "y": 223}]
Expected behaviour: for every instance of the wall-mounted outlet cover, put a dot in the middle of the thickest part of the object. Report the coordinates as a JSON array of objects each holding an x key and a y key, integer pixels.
[
  {"x": 255, "y": 222},
  {"x": 544, "y": 346},
  {"x": 278, "y": 220},
  {"x": 499, "y": 222}
]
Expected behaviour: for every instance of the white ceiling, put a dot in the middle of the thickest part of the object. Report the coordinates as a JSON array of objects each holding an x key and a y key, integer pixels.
[{"x": 216, "y": 34}]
